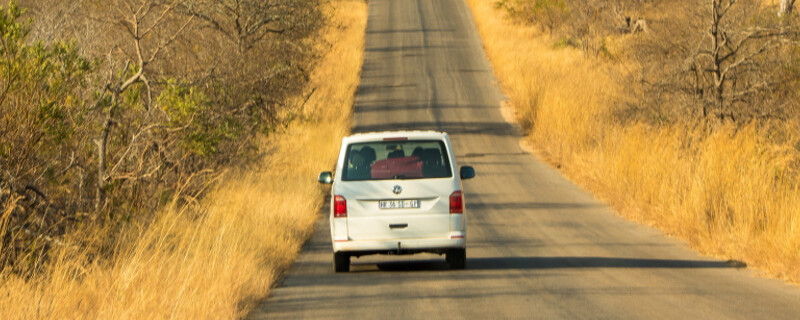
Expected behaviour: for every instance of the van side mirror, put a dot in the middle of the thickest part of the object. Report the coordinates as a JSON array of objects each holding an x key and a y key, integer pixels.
[
  {"x": 325, "y": 177},
  {"x": 467, "y": 172}
]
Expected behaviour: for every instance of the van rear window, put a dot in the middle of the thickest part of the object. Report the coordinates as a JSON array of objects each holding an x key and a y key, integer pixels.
[{"x": 383, "y": 160}]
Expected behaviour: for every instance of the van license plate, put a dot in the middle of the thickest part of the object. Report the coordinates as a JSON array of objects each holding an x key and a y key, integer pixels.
[{"x": 398, "y": 204}]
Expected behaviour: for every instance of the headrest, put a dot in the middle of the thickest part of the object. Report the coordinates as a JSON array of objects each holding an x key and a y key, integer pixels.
[{"x": 357, "y": 159}]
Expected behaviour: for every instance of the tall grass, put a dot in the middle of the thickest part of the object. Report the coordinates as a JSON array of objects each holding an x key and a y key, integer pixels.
[
  {"x": 214, "y": 260},
  {"x": 732, "y": 192}
]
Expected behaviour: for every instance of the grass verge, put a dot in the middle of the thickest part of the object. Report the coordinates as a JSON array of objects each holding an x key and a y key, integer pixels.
[
  {"x": 214, "y": 260},
  {"x": 730, "y": 193}
]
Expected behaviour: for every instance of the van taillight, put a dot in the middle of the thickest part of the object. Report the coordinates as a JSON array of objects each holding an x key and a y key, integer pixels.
[
  {"x": 340, "y": 207},
  {"x": 456, "y": 202}
]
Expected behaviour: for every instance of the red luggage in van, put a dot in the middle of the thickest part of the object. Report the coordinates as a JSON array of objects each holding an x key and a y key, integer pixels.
[{"x": 404, "y": 167}]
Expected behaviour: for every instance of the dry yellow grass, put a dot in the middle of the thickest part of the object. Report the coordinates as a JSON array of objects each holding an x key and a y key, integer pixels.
[
  {"x": 214, "y": 261},
  {"x": 731, "y": 193}
]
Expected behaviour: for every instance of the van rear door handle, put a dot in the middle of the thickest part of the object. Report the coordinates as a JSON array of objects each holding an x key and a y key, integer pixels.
[{"x": 398, "y": 226}]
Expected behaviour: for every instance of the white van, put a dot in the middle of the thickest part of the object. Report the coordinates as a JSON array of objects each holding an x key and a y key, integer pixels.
[{"x": 397, "y": 193}]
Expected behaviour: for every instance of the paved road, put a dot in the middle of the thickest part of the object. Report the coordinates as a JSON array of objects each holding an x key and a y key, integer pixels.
[{"x": 538, "y": 247}]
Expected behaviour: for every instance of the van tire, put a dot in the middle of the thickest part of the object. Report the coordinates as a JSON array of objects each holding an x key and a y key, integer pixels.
[
  {"x": 456, "y": 258},
  {"x": 341, "y": 262}
]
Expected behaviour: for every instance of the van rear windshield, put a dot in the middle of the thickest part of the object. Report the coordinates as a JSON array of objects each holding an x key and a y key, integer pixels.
[{"x": 384, "y": 160}]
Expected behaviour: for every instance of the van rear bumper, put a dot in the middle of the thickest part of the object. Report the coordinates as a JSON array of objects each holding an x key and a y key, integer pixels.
[{"x": 399, "y": 246}]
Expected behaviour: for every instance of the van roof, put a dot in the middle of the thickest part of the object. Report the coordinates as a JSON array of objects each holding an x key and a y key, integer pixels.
[{"x": 415, "y": 134}]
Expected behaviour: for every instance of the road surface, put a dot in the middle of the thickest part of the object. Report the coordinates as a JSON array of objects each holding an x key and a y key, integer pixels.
[{"x": 538, "y": 246}]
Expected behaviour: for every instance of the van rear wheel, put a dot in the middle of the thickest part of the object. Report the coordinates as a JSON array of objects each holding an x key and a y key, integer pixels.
[
  {"x": 456, "y": 258},
  {"x": 341, "y": 262}
]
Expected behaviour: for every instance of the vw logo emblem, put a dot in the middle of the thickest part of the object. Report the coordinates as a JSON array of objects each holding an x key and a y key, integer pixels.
[{"x": 397, "y": 189}]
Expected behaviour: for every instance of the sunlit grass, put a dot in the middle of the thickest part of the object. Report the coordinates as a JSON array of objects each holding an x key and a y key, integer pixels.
[{"x": 732, "y": 193}]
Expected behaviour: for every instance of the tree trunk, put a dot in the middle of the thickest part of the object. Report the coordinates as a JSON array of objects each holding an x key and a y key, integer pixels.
[
  {"x": 786, "y": 8},
  {"x": 716, "y": 47},
  {"x": 102, "y": 143}
]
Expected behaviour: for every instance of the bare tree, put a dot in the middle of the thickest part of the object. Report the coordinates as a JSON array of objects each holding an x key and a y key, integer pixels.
[
  {"x": 139, "y": 20},
  {"x": 734, "y": 63},
  {"x": 247, "y": 22}
]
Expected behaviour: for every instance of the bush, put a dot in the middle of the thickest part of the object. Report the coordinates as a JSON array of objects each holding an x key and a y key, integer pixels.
[
  {"x": 549, "y": 14},
  {"x": 43, "y": 128},
  {"x": 141, "y": 108}
]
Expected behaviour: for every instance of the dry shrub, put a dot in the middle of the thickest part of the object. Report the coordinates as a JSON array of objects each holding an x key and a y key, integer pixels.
[
  {"x": 217, "y": 258},
  {"x": 730, "y": 191},
  {"x": 113, "y": 110}
]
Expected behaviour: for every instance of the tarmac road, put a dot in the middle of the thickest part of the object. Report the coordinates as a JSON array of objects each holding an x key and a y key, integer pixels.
[{"x": 538, "y": 246}]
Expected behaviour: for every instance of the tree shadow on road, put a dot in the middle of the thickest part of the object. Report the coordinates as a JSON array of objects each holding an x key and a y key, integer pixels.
[
  {"x": 588, "y": 262},
  {"x": 508, "y": 263}
]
